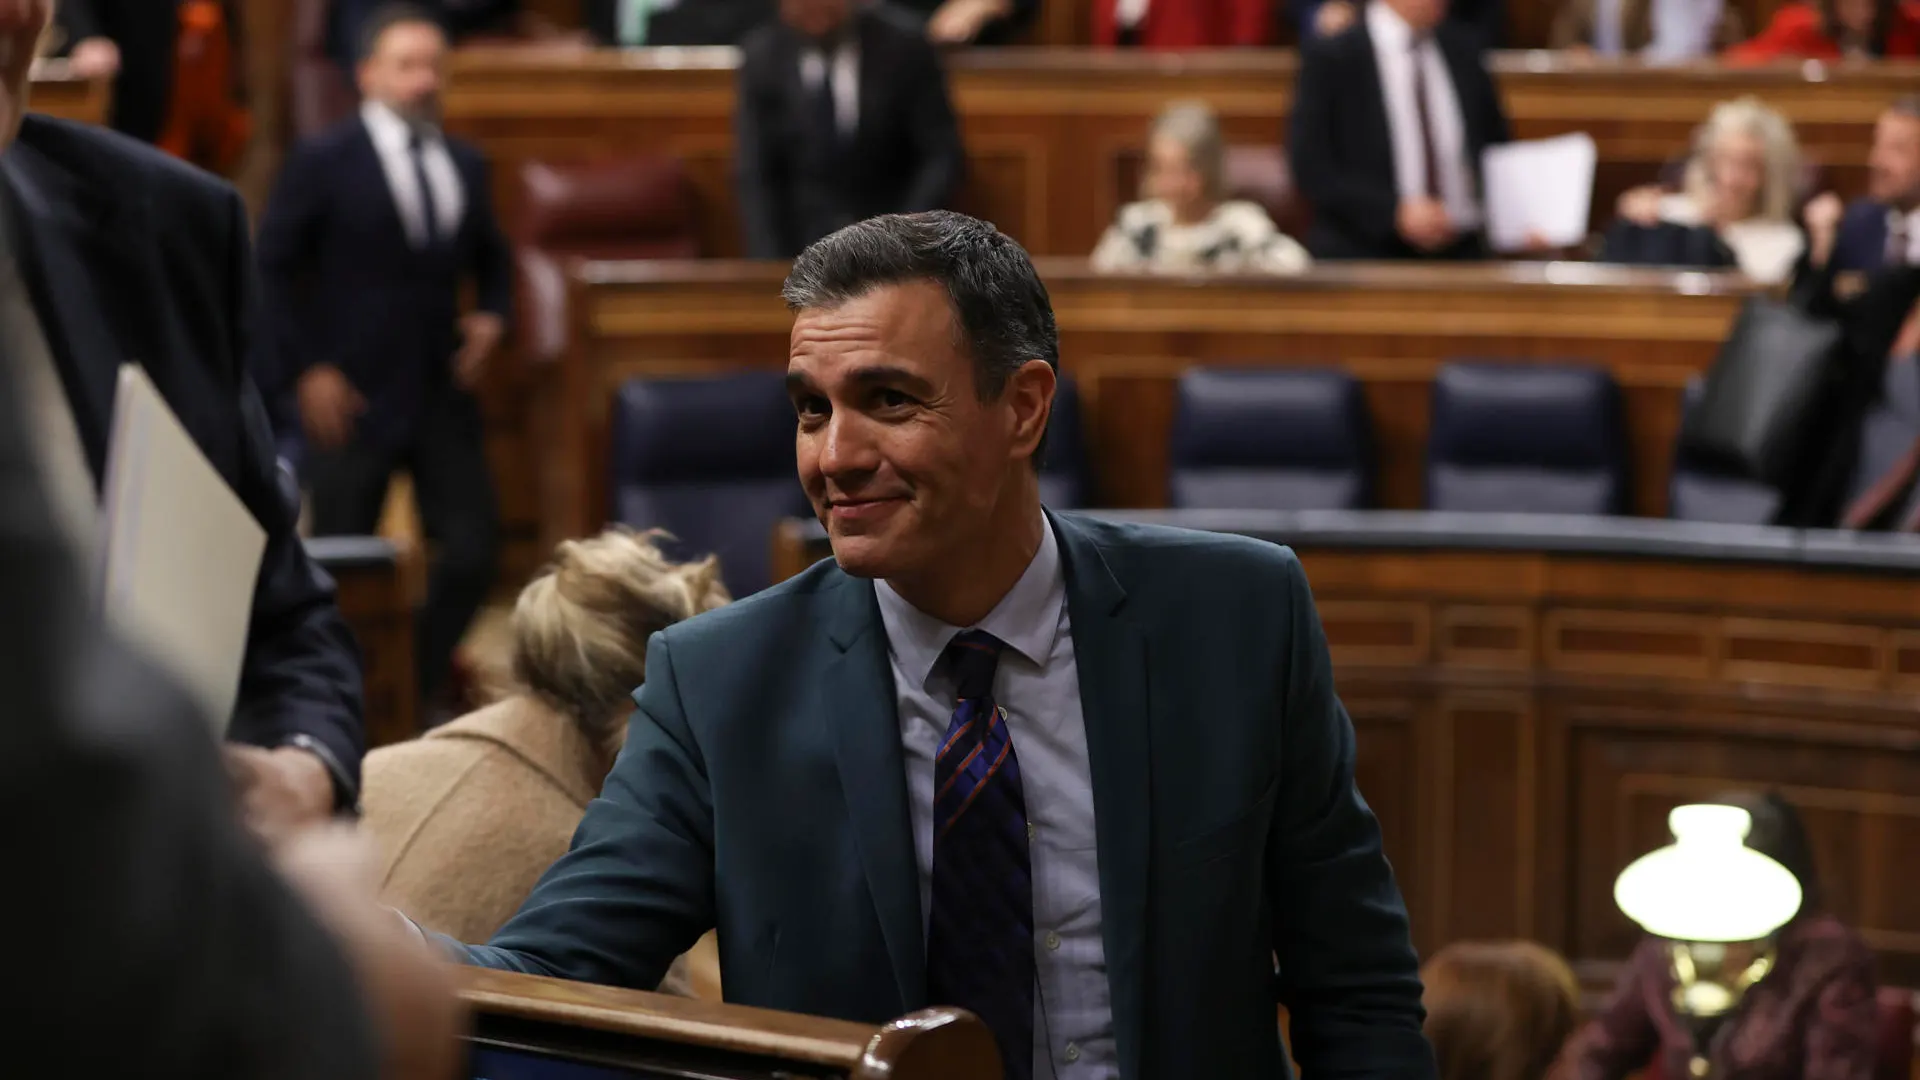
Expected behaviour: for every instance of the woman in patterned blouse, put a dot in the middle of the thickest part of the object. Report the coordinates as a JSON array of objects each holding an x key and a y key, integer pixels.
[
  {"x": 1813, "y": 1017},
  {"x": 1182, "y": 223}
]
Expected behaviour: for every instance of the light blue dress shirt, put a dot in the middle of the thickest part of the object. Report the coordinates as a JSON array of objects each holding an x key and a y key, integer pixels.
[{"x": 1038, "y": 684}]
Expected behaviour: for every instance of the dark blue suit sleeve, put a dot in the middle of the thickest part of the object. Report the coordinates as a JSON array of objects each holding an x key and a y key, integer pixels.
[
  {"x": 636, "y": 890},
  {"x": 302, "y": 670},
  {"x": 290, "y": 234},
  {"x": 492, "y": 257},
  {"x": 1348, "y": 974}
]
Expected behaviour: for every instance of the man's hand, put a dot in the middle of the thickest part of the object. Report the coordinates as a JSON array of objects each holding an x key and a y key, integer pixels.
[
  {"x": 1641, "y": 205},
  {"x": 1333, "y": 17},
  {"x": 94, "y": 58},
  {"x": 480, "y": 333},
  {"x": 958, "y": 22},
  {"x": 1822, "y": 217},
  {"x": 328, "y": 406},
  {"x": 1424, "y": 224},
  {"x": 408, "y": 990},
  {"x": 281, "y": 791}
]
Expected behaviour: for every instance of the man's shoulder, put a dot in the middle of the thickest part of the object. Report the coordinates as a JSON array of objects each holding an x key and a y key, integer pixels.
[
  {"x": 796, "y": 605},
  {"x": 329, "y": 142},
  {"x": 1337, "y": 48},
  {"x": 1134, "y": 548},
  {"x": 119, "y": 166},
  {"x": 897, "y": 27},
  {"x": 1864, "y": 212}
]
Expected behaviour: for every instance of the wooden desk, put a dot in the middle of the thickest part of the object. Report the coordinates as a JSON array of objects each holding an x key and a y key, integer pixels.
[
  {"x": 57, "y": 92},
  {"x": 1127, "y": 339},
  {"x": 1532, "y": 695},
  {"x": 1054, "y": 135},
  {"x": 634, "y": 1034},
  {"x": 373, "y": 600}
]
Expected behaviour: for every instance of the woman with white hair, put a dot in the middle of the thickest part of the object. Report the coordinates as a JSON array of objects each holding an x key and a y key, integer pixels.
[
  {"x": 1742, "y": 181},
  {"x": 1183, "y": 223},
  {"x": 471, "y": 814}
]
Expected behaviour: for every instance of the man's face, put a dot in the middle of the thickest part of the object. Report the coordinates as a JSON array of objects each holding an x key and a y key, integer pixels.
[
  {"x": 904, "y": 464},
  {"x": 816, "y": 19},
  {"x": 22, "y": 22},
  {"x": 1893, "y": 168},
  {"x": 405, "y": 70}
]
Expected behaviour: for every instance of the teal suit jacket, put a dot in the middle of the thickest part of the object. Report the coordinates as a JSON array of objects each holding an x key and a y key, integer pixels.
[{"x": 762, "y": 791}]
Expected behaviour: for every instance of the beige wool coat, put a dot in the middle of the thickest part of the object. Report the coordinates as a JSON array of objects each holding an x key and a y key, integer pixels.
[{"x": 469, "y": 816}]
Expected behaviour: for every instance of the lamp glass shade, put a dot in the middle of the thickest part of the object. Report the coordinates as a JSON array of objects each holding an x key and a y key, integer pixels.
[{"x": 1708, "y": 885}]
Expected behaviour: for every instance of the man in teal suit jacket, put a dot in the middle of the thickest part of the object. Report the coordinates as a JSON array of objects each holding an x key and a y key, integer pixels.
[{"x": 1174, "y": 754}]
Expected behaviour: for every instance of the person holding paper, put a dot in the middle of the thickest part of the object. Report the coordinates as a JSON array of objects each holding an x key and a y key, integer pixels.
[
  {"x": 1408, "y": 188},
  {"x": 113, "y": 253}
]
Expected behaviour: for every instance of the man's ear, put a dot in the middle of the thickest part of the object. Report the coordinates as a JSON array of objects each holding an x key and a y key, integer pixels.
[{"x": 1029, "y": 392}]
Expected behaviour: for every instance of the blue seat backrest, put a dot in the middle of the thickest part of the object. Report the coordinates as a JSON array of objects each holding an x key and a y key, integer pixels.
[
  {"x": 1526, "y": 437},
  {"x": 1270, "y": 439},
  {"x": 1704, "y": 491},
  {"x": 1066, "y": 480},
  {"x": 710, "y": 461},
  {"x": 1889, "y": 428}
]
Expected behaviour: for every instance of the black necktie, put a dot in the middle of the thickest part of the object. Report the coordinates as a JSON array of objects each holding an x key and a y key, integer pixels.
[
  {"x": 429, "y": 213},
  {"x": 1429, "y": 156}
]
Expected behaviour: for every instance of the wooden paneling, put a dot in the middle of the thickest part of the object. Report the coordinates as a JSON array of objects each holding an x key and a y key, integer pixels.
[
  {"x": 1126, "y": 339},
  {"x": 57, "y": 93},
  {"x": 1051, "y": 132},
  {"x": 1515, "y": 779}
]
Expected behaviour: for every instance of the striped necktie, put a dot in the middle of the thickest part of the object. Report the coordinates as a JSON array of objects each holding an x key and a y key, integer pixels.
[{"x": 980, "y": 929}]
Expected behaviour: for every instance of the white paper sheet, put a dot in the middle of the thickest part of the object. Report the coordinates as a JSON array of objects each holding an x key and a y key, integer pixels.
[
  {"x": 181, "y": 551},
  {"x": 1540, "y": 187}
]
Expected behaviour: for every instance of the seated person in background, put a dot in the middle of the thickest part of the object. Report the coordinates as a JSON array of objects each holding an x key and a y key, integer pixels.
[
  {"x": 1182, "y": 24},
  {"x": 1833, "y": 30},
  {"x": 633, "y": 23},
  {"x": 1740, "y": 184},
  {"x": 1411, "y": 190},
  {"x": 1498, "y": 1010},
  {"x": 1656, "y": 31},
  {"x": 1882, "y": 229},
  {"x": 1813, "y": 1016},
  {"x": 469, "y": 816},
  {"x": 869, "y": 131},
  {"x": 1182, "y": 224},
  {"x": 1487, "y": 19}
]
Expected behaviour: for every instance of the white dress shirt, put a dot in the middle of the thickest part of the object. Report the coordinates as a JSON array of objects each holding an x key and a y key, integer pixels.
[
  {"x": 845, "y": 72},
  {"x": 391, "y": 137},
  {"x": 61, "y": 455},
  {"x": 1038, "y": 684},
  {"x": 1394, "y": 54}
]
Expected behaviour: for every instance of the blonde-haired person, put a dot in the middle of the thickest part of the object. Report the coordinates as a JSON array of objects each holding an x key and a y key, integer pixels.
[
  {"x": 470, "y": 815},
  {"x": 1183, "y": 223},
  {"x": 1742, "y": 180}
]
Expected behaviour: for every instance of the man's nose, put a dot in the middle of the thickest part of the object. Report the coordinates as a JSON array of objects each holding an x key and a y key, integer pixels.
[{"x": 847, "y": 446}]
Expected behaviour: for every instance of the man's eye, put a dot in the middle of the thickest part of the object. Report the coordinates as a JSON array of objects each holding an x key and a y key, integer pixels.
[
  {"x": 894, "y": 399},
  {"x": 810, "y": 406}
]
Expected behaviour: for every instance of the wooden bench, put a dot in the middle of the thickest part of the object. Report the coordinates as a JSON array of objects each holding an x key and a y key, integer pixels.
[
  {"x": 1533, "y": 694},
  {"x": 1054, "y": 136}
]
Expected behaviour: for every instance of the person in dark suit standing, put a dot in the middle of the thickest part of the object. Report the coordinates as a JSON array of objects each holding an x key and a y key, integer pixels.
[
  {"x": 364, "y": 246},
  {"x": 842, "y": 114},
  {"x": 1390, "y": 118},
  {"x": 113, "y": 253},
  {"x": 1088, "y": 780}
]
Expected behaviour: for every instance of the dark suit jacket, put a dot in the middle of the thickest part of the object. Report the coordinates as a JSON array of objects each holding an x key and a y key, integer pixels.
[
  {"x": 775, "y": 807},
  {"x": 1861, "y": 243},
  {"x": 1342, "y": 148},
  {"x": 345, "y": 287},
  {"x": 690, "y": 22},
  {"x": 146, "y": 31},
  {"x": 149, "y": 903},
  {"x": 996, "y": 32},
  {"x": 905, "y": 157},
  {"x": 133, "y": 256}
]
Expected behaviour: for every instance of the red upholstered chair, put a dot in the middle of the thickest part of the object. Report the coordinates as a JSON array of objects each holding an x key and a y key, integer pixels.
[
  {"x": 319, "y": 93},
  {"x": 1259, "y": 173},
  {"x": 639, "y": 207},
  {"x": 1896, "y": 1037}
]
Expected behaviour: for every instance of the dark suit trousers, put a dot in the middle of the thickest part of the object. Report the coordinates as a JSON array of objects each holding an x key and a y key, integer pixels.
[{"x": 447, "y": 458}]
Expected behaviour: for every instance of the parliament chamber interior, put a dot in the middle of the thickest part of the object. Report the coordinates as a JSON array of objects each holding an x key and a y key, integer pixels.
[{"x": 1598, "y": 525}]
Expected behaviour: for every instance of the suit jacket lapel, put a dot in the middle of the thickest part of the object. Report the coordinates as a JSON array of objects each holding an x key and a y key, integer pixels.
[
  {"x": 1111, "y": 652},
  {"x": 856, "y": 694},
  {"x": 1366, "y": 71},
  {"x": 78, "y": 265}
]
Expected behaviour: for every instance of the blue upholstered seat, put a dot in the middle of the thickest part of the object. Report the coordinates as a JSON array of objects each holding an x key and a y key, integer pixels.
[
  {"x": 1527, "y": 438},
  {"x": 1066, "y": 480},
  {"x": 1270, "y": 439},
  {"x": 710, "y": 461},
  {"x": 1888, "y": 430},
  {"x": 1704, "y": 491}
]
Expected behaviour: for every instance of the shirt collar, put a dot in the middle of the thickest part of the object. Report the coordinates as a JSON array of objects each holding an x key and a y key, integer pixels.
[
  {"x": 1027, "y": 618},
  {"x": 389, "y": 130},
  {"x": 1390, "y": 32}
]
